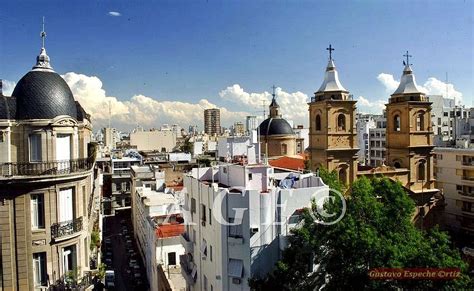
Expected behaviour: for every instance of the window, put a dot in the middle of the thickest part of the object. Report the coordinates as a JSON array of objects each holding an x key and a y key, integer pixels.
[
  {"x": 39, "y": 269},
  {"x": 205, "y": 283},
  {"x": 397, "y": 165},
  {"x": 318, "y": 122},
  {"x": 421, "y": 170},
  {"x": 172, "y": 259},
  {"x": 396, "y": 123},
  {"x": 37, "y": 211},
  {"x": 210, "y": 216},
  {"x": 224, "y": 170},
  {"x": 458, "y": 158},
  {"x": 250, "y": 176},
  {"x": 467, "y": 206},
  {"x": 35, "y": 148},
  {"x": 343, "y": 176},
  {"x": 341, "y": 122},
  {"x": 235, "y": 268},
  {"x": 235, "y": 230},
  {"x": 203, "y": 212},
  {"x": 194, "y": 236},
  {"x": 204, "y": 247},
  {"x": 2, "y": 136},
  {"x": 420, "y": 122},
  {"x": 66, "y": 204},
  {"x": 193, "y": 205},
  {"x": 458, "y": 187},
  {"x": 210, "y": 253},
  {"x": 284, "y": 149}
]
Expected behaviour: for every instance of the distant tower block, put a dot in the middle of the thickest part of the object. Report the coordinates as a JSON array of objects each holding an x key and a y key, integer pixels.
[
  {"x": 333, "y": 134},
  {"x": 212, "y": 121}
]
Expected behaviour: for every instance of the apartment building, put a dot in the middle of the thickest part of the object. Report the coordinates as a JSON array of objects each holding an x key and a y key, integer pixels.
[
  {"x": 223, "y": 257},
  {"x": 454, "y": 169},
  {"x": 212, "y": 121},
  {"x": 377, "y": 142},
  {"x": 154, "y": 140},
  {"x": 47, "y": 182},
  {"x": 364, "y": 122}
]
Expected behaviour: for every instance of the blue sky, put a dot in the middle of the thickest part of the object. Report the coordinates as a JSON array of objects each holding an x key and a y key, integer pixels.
[{"x": 192, "y": 50}]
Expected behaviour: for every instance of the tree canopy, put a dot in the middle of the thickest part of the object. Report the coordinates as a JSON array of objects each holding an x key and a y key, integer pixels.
[{"x": 376, "y": 232}]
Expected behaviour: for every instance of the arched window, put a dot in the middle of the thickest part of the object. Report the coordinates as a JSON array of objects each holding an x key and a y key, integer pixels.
[
  {"x": 318, "y": 122},
  {"x": 341, "y": 122},
  {"x": 396, "y": 122},
  {"x": 284, "y": 149},
  {"x": 343, "y": 175},
  {"x": 420, "y": 121},
  {"x": 397, "y": 165},
  {"x": 421, "y": 170}
]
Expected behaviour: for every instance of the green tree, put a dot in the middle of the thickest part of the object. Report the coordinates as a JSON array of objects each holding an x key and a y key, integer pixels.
[{"x": 375, "y": 232}]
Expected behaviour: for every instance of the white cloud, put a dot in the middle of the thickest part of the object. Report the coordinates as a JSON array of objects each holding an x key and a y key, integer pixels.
[
  {"x": 388, "y": 81},
  {"x": 293, "y": 105},
  {"x": 140, "y": 110},
  {"x": 114, "y": 13},
  {"x": 367, "y": 106},
  {"x": 7, "y": 87},
  {"x": 432, "y": 86}
]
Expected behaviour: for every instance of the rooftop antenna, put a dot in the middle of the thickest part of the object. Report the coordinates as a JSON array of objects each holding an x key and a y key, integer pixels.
[
  {"x": 330, "y": 49},
  {"x": 43, "y": 35}
]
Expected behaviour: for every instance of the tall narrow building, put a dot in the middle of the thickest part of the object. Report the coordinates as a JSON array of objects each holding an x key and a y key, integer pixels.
[
  {"x": 410, "y": 136},
  {"x": 333, "y": 134},
  {"x": 212, "y": 121}
]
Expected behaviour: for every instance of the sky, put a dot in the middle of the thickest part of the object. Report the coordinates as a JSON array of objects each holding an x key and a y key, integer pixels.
[{"x": 160, "y": 62}]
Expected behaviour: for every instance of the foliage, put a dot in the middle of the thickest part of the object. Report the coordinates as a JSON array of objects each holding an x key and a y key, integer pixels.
[
  {"x": 375, "y": 232},
  {"x": 187, "y": 146},
  {"x": 95, "y": 240},
  {"x": 101, "y": 273}
]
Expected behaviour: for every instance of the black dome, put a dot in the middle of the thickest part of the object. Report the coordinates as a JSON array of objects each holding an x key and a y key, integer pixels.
[
  {"x": 43, "y": 95},
  {"x": 275, "y": 126}
]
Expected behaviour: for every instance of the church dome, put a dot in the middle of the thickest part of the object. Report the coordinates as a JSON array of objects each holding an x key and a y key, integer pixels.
[
  {"x": 407, "y": 82},
  {"x": 275, "y": 126},
  {"x": 43, "y": 94}
]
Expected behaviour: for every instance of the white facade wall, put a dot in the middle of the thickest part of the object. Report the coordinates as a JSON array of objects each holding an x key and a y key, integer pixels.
[
  {"x": 156, "y": 140},
  {"x": 259, "y": 246}
]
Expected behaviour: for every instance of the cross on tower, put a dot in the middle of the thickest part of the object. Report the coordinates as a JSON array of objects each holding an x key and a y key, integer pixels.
[
  {"x": 330, "y": 49},
  {"x": 274, "y": 88},
  {"x": 43, "y": 34},
  {"x": 407, "y": 56}
]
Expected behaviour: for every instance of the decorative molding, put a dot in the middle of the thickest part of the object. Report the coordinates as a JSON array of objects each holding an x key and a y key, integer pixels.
[{"x": 39, "y": 242}]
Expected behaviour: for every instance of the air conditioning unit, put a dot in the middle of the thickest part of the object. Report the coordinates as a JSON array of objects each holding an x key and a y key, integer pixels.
[{"x": 236, "y": 281}]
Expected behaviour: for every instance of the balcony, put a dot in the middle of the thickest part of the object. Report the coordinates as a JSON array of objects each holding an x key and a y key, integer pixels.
[
  {"x": 51, "y": 168},
  {"x": 188, "y": 269},
  {"x": 187, "y": 243},
  {"x": 66, "y": 228}
]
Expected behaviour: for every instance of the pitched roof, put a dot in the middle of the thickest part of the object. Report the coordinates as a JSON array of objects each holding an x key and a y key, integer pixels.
[{"x": 292, "y": 163}]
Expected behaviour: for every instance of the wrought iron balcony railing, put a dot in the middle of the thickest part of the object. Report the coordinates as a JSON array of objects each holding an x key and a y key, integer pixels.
[
  {"x": 66, "y": 228},
  {"x": 45, "y": 168}
]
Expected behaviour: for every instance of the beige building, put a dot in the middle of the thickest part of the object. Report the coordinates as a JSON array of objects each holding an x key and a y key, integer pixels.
[
  {"x": 212, "y": 121},
  {"x": 46, "y": 182},
  {"x": 154, "y": 140},
  {"x": 276, "y": 134},
  {"x": 333, "y": 133},
  {"x": 454, "y": 170}
]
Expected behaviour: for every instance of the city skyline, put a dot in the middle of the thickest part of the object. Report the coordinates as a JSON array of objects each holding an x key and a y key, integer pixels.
[{"x": 160, "y": 63}]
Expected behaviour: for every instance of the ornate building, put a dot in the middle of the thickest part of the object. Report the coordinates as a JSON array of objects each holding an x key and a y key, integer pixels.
[
  {"x": 276, "y": 135},
  {"x": 46, "y": 182},
  {"x": 333, "y": 134},
  {"x": 410, "y": 136}
]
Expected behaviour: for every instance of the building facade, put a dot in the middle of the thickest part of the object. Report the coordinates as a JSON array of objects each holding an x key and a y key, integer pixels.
[
  {"x": 454, "y": 170},
  {"x": 47, "y": 183},
  {"x": 212, "y": 121},
  {"x": 154, "y": 140}
]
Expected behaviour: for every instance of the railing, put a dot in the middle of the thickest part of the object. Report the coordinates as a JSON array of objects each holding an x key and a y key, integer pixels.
[
  {"x": 468, "y": 162},
  {"x": 45, "y": 168},
  {"x": 69, "y": 283},
  {"x": 65, "y": 228}
]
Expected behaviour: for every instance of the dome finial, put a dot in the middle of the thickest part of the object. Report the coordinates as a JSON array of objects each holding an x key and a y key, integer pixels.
[
  {"x": 42, "y": 61},
  {"x": 330, "y": 49}
]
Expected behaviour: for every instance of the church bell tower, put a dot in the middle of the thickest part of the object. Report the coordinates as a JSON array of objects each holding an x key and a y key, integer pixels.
[{"x": 333, "y": 135}]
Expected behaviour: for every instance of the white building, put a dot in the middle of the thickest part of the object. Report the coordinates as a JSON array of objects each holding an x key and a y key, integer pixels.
[
  {"x": 224, "y": 257},
  {"x": 454, "y": 170},
  {"x": 251, "y": 123},
  {"x": 230, "y": 147},
  {"x": 158, "y": 226},
  {"x": 364, "y": 123},
  {"x": 377, "y": 142}
]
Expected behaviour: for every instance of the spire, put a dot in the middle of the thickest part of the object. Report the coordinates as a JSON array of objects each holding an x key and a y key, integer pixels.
[
  {"x": 42, "y": 60},
  {"x": 274, "y": 103},
  {"x": 331, "y": 78},
  {"x": 274, "y": 107},
  {"x": 407, "y": 82}
]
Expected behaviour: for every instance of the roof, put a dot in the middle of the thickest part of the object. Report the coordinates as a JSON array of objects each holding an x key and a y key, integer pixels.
[
  {"x": 7, "y": 107},
  {"x": 292, "y": 163},
  {"x": 169, "y": 230},
  {"x": 43, "y": 95},
  {"x": 275, "y": 126},
  {"x": 407, "y": 83},
  {"x": 331, "y": 79}
]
